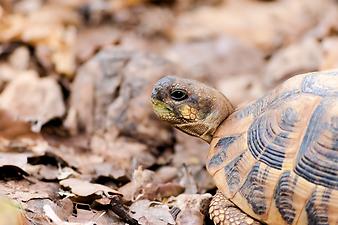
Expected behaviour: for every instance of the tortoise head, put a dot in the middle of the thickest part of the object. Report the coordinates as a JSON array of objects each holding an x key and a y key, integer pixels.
[{"x": 190, "y": 106}]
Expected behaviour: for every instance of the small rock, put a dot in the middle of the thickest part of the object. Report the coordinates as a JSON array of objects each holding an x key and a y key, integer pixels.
[{"x": 111, "y": 93}]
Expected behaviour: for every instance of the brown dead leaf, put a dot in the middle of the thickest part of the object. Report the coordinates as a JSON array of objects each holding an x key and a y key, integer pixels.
[
  {"x": 193, "y": 208},
  {"x": 151, "y": 213},
  {"x": 83, "y": 188},
  {"x": 198, "y": 202},
  {"x": 51, "y": 26},
  {"x": 49, "y": 212},
  {"x": 33, "y": 99},
  {"x": 83, "y": 216},
  {"x": 190, "y": 217},
  {"x": 135, "y": 188},
  {"x": 36, "y": 214},
  {"x": 107, "y": 170},
  {"x": 158, "y": 191},
  {"x": 49, "y": 157},
  {"x": 146, "y": 184},
  {"x": 47, "y": 166},
  {"x": 121, "y": 152},
  {"x": 24, "y": 190},
  {"x": 48, "y": 173},
  {"x": 13, "y": 129}
]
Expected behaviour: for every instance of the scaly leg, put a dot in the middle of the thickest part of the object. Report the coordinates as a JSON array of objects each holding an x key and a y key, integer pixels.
[{"x": 224, "y": 212}]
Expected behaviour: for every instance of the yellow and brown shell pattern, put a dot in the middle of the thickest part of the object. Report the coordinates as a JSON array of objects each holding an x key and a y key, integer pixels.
[{"x": 277, "y": 158}]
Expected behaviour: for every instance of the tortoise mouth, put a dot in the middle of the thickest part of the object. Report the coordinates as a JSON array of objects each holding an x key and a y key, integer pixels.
[
  {"x": 160, "y": 107},
  {"x": 165, "y": 112}
]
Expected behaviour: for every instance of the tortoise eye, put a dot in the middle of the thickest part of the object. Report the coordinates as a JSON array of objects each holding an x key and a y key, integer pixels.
[{"x": 178, "y": 95}]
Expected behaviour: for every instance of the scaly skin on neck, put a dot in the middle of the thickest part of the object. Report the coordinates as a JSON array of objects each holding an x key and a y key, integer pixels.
[{"x": 199, "y": 114}]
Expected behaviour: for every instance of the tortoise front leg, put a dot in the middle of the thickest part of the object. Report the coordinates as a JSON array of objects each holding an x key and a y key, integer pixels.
[{"x": 224, "y": 212}]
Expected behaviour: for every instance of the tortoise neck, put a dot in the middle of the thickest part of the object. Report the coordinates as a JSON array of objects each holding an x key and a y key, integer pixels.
[{"x": 222, "y": 109}]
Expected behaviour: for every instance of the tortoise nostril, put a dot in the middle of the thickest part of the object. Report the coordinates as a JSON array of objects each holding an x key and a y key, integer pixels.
[
  {"x": 153, "y": 93},
  {"x": 156, "y": 93}
]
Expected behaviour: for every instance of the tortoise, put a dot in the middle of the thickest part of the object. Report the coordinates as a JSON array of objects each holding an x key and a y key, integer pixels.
[{"x": 273, "y": 160}]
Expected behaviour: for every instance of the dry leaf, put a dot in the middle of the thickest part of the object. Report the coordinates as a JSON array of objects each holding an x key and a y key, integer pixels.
[
  {"x": 151, "y": 213},
  {"x": 23, "y": 190},
  {"x": 33, "y": 99},
  {"x": 190, "y": 217},
  {"x": 84, "y": 188},
  {"x": 57, "y": 221},
  {"x": 35, "y": 213},
  {"x": 193, "y": 208},
  {"x": 140, "y": 179}
]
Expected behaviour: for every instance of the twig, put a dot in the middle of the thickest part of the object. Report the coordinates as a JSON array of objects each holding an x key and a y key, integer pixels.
[{"x": 118, "y": 209}]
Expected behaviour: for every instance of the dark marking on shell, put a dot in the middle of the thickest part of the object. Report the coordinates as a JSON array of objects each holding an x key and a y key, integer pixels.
[
  {"x": 233, "y": 175},
  {"x": 317, "y": 210},
  {"x": 221, "y": 149},
  {"x": 253, "y": 189},
  {"x": 265, "y": 144},
  {"x": 284, "y": 197},
  {"x": 334, "y": 129},
  {"x": 265, "y": 103},
  {"x": 317, "y": 160},
  {"x": 311, "y": 85}
]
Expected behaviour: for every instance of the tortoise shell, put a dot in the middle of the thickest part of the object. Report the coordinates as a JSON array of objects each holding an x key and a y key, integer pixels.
[{"x": 277, "y": 158}]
